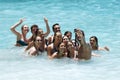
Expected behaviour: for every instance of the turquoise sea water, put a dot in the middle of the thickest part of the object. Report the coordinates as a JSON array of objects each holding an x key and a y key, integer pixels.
[{"x": 96, "y": 17}]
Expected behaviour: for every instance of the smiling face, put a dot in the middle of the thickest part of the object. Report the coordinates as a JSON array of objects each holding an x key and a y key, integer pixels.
[
  {"x": 65, "y": 39},
  {"x": 68, "y": 34},
  {"x": 92, "y": 42},
  {"x": 79, "y": 35},
  {"x": 70, "y": 45},
  {"x": 38, "y": 39},
  {"x": 62, "y": 47},
  {"x": 56, "y": 28},
  {"x": 34, "y": 28},
  {"x": 40, "y": 32},
  {"x": 58, "y": 37},
  {"x": 25, "y": 29}
]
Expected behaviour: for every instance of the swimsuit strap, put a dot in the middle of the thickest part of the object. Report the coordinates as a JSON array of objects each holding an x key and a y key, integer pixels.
[{"x": 54, "y": 49}]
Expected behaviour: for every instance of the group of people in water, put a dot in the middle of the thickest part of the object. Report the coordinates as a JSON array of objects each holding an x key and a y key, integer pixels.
[{"x": 57, "y": 45}]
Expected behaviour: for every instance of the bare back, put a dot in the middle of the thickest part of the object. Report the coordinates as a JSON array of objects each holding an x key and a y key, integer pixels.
[{"x": 84, "y": 52}]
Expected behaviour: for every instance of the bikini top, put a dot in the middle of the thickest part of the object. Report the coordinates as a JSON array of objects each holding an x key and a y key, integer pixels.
[
  {"x": 22, "y": 43},
  {"x": 54, "y": 49}
]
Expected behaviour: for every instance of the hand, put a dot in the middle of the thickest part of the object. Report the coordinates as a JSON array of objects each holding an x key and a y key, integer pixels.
[
  {"x": 21, "y": 20},
  {"x": 45, "y": 19},
  {"x": 106, "y": 48}
]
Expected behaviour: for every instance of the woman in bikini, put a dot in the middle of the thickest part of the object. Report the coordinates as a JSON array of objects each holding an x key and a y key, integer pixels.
[
  {"x": 21, "y": 37},
  {"x": 94, "y": 44},
  {"x": 52, "y": 48}
]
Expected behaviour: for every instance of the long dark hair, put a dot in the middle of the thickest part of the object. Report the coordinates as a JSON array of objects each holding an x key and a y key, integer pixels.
[
  {"x": 54, "y": 26},
  {"x": 96, "y": 39},
  {"x": 67, "y": 32},
  {"x": 76, "y": 40}
]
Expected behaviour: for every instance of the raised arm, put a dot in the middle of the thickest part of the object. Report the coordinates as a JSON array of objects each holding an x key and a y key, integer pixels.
[
  {"x": 13, "y": 29},
  {"x": 47, "y": 27}
]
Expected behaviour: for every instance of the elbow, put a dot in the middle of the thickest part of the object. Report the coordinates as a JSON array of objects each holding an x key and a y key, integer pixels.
[{"x": 11, "y": 29}]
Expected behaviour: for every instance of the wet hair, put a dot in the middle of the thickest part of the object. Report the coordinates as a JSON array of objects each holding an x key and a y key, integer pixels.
[
  {"x": 79, "y": 30},
  {"x": 54, "y": 26},
  {"x": 67, "y": 32},
  {"x": 96, "y": 39},
  {"x": 34, "y": 26},
  {"x": 22, "y": 27},
  {"x": 82, "y": 32},
  {"x": 36, "y": 33},
  {"x": 76, "y": 40},
  {"x": 59, "y": 46}
]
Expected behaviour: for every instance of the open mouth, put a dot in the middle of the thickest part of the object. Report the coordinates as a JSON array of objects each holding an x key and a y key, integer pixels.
[{"x": 78, "y": 37}]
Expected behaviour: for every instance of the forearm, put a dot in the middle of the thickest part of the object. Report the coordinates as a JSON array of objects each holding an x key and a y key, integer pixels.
[
  {"x": 47, "y": 27},
  {"x": 16, "y": 24}
]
